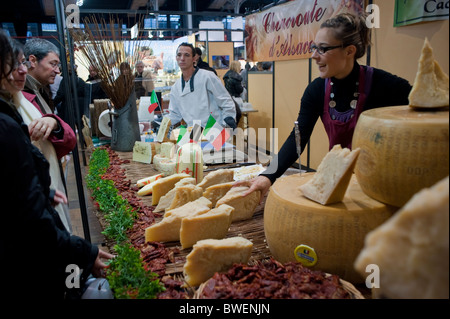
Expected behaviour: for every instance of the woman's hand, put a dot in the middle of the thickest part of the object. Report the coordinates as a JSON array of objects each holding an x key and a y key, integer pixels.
[
  {"x": 41, "y": 128},
  {"x": 260, "y": 183},
  {"x": 98, "y": 271},
  {"x": 59, "y": 198}
]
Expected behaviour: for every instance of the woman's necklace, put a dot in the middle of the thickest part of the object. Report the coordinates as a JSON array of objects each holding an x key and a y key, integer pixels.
[{"x": 353, "y": 102}]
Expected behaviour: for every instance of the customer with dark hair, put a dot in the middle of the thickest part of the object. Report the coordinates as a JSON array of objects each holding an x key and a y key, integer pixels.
[
  {"x": 54, "y": 137},
  {"x": 233, "y": 84},
  {"x": 44, "y": 64},
  {"x": 36, "y": 250},
  {"x": 202, "y": 64}
]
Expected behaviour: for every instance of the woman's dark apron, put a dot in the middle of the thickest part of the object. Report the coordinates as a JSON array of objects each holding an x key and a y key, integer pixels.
[{"x": 341, "y": 125}]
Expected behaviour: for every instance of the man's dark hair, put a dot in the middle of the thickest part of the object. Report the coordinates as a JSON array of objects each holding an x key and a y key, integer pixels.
[{"x": 185, "y": 44}]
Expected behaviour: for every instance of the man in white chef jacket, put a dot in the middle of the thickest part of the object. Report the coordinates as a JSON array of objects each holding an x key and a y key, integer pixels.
[{"x": 199, "y": 93}]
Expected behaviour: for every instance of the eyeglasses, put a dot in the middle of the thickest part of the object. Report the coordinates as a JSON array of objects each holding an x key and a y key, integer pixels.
[
  {"x": 322, "y": 50},
  {"x": 27, "y": 64},
  {"x": 55, "y": 65}
]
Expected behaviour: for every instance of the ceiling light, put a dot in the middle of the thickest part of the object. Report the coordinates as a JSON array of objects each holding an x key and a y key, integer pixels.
[{"x": 79, "y": 3}]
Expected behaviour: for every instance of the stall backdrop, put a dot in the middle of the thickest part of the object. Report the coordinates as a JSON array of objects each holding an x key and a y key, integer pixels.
[{"x": 285, "y": 32}]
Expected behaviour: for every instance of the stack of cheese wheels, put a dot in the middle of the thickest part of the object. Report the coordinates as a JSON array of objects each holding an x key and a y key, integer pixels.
[
  {"x": 331, "y": 235},
  {"x": 403, "y": 150}
]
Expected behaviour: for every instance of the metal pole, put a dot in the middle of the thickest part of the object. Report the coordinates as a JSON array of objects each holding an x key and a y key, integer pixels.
[
  {"x": 76, "y": 159},
  {"x": 76, "y": 104}
]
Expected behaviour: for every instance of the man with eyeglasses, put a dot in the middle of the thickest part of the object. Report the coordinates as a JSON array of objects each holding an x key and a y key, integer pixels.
[{"x": 43, "y": 66}]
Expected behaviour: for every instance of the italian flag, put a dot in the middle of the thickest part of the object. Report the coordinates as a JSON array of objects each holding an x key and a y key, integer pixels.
[
  {"x": 153, "y": 102},
  {"x": 215, "y": 133},
  {"x": 183, "y": 138}
]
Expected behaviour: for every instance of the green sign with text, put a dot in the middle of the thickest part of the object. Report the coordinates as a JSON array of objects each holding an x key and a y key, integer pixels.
[{"x": 414, "y": 11}]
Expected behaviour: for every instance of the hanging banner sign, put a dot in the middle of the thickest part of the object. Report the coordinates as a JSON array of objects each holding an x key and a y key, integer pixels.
[
  {"x": 414, "y": 11},
  {"x": 286, "y": 32}
]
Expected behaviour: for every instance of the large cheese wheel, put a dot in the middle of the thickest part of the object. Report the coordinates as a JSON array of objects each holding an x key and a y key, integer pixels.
[
  {"x": 335, "y": 232},
  {"x": 403, "y": 150}
]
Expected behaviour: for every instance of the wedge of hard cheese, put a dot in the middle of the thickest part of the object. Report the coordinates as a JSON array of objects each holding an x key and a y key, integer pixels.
[
  {"x": 164, "y": 130},
  {"x": 244, "y": 207},
  {"x": 178, "y": 196},
  {"x": 163, "y": 185},
  {"x": 168, "y": 229},
  {"x": 210, "y": 225},
  {"x": 216, "y": 192},
  {"x": 216, "y": 177},
  {"x": 330, "y": 182},
  {"x": 411, "y": 249},
  {"x": 431, "y": 86},
  {"x": 214, "y": 255}
]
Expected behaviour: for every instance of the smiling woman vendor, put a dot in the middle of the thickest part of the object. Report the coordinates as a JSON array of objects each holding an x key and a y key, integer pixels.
[
  {"x": 342, "y": 92},
  {"x": 199, "y": 93}
]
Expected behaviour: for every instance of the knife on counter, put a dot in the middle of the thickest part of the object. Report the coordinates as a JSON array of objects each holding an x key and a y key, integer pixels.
[
  {"x": 229, "y": 166},
  {"x": 298, "y": 144}
]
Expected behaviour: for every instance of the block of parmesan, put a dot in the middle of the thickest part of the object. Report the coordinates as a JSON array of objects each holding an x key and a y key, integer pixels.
[
  {"x": 178, "y": 196},
  {"x": 163, "y": 185},
  {"x": 330, "y": 182},
  {"x": 216, "y": 192},
  {"x": 244, "y": 207},
  {"x": 210, "y": 225},
  {"x": 214, "y": 255},
  {"x": 217, "y": 177},
  {"x": 411, "y": 248},
  {"x": 431, "y": 86},
  {"x": 168, "y": 229}
]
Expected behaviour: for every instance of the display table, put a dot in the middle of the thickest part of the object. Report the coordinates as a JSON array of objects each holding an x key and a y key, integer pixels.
[{"x": 251, "y": 229}]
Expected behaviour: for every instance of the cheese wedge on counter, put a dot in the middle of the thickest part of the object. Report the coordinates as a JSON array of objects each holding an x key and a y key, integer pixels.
[
  {"x": 179, "y": 196},
  {"x": 217, "y": 177},
  {"x": 244, "y": 207},
  {"x": 333, "y": 175},
  {"x": 163, "y": 130},
  {"x": 214, "y": 255},
  {"x": 431, "y": 86},
  {"x": 216, "y": 192},
  {"x": 210, "y": 225},
  {"x": 411, "y": 249},
  {"x": 168, "y": 229},
  {"x": 163, "y": 185}
]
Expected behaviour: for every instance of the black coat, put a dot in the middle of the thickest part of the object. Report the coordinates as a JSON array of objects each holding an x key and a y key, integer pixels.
[
  {"x": 233, "y": 83},
  {"x": 35, "y": 248}
]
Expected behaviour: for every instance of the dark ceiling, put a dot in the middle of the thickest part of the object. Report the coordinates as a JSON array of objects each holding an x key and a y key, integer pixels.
[{"x": 21, "y": 12}]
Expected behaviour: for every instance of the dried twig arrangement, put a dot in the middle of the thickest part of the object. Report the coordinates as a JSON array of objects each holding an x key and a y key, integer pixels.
[{"x": 104, "y": 48}]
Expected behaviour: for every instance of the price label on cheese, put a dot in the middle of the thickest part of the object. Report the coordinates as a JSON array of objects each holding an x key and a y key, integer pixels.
[{"x": 305, "y": 255}]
